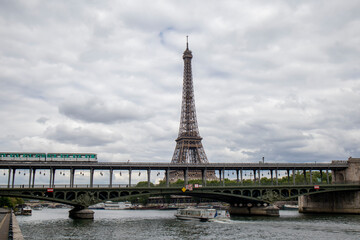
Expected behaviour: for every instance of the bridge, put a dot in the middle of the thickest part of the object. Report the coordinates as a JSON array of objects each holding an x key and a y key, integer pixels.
[{"x": 240, "y": 192}]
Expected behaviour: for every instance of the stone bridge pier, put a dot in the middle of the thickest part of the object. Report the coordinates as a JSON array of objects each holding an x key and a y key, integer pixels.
[{"x": 340, "y": 201}]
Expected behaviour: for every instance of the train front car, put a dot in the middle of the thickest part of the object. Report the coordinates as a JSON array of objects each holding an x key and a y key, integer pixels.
[
  {"x": 22, "y": 156},
  {"x": 72, "y": 157}
]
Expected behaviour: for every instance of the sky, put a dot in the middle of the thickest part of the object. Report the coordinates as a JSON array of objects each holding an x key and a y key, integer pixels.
[{"x": 273, "y": 79}]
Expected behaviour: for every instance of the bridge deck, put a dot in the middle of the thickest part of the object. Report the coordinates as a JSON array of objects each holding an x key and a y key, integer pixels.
[{"x": 338, "y": 165}]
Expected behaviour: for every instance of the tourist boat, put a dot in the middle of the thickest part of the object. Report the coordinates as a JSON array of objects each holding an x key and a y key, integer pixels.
[
  {"x": 290, "y": 207},
  {"x": 202, "y": 214},
  {"x": 24, "y": 211}
]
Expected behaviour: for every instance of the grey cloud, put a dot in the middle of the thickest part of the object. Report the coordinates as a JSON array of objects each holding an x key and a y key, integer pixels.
[
  {"x": 98, "y": 111},
  {"x": 80, "y": 135}
]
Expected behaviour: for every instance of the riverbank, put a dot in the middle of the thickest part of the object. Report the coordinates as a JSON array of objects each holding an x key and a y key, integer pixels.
[{"x": 9, "y": 224}]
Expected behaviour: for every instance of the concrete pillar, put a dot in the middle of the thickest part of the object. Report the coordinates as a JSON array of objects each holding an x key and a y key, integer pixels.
[
  {"x": 30, "y": 175},
  {"x": 277, "y": 181},
  {"x": 13, "y": 178},
  {"x": 305, "y": 181},
  {"x": 220, "y": 175},
  {"x": 272, "y": 177},
  {"x": 241, "y": 177},
  {"x": 81, "y": 213},
  {"x": 9, "y": 177},
  {"x": 288, "y": 174},
  {"x": 327, "y": 176},
  {"x": 167, "y": 172},
  {"x": 237, "y": 177},
  {"x": 91, "y": 177},
  {"x": 259, "y": 177},
  {"x": 254, "y": 171},
  {"x": 204, "y": 173},
  {"x": 33, "y": 177},
  {"x": 111, "y": 177},
  {"x": 148, "y": 177},
  {"x": 224, "y": 177},
  {"x": 321, "y": 176},
  {"x": 294, "y": 175},
  {"x": 51, "y": 175},
  {"x": 129, "y": 177},
  {"x": 72, "y": 177},
  {"x": 311, "y": 181}
]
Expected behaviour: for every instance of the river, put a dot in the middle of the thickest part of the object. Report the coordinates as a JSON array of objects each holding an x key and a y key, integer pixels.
[{"x": 161, "y": 224}]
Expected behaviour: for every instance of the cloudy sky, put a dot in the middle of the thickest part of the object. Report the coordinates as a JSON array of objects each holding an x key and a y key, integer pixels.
[{"x": 279, "y": 79}]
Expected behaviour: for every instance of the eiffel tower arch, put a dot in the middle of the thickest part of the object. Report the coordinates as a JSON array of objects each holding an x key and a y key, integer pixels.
[{"x": 189, "y": 149}]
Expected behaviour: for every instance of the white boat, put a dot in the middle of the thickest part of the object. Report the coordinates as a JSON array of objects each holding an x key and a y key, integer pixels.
[{"x": 202, "y": 214}]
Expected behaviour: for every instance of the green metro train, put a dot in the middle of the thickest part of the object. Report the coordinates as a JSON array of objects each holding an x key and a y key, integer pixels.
[{"x": 48, "y": 157}]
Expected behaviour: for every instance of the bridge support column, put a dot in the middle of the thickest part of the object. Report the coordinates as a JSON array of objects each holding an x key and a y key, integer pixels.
[
  {"x": 9, "y": 177},
  {"x": 203, "y": 173},
  {"x": 311, "y": 177},
  {"x": 111, "y": 177},
  {"x": 327, "y": 176},
  {"x": 167, "y": 172},
  {"x": 72, "y": 174},
  {"x": 13, "y": 178},
  {"x": 241, "y": 176},
  {"x": 30, "y": 175},
  {"x": 129, "y": 177},
  {"x": 277, "y": 180},
  {"x": 220, "y": 175},
  {"x": 249, "y": 209},
  {"x": 254, "y": 176},
  {"x": 33, "y": 177},
  {"x": 223, "y": 183},
  {"x": 50, "y": 180},
  {"x": 305, "y": 181},
  {"x": 321, "y": 176},
  {"x": 237, "y": 177},
  {"x": 294, "y": 175},
  {"x": 272, "y": 177},
  {"x": 81, "y": 213},
  {"x": 91, "y": 177},
  {"x": 331, "y": 202},
  {"x": 288, "y": 174},
  {"x": 259, "y": 177},
  {"x": 53, "y": 177},
  {"x": 148, "y": 177}
]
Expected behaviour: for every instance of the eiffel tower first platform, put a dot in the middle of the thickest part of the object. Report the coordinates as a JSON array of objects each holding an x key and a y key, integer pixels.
[{"x": 189, "y": 148}]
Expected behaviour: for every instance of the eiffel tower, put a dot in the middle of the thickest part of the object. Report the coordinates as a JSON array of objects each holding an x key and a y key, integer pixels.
[{"x": 189, "y": 149}]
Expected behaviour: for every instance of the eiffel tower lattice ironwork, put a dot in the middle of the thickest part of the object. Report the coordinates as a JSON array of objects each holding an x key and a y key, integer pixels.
[{"x": 189, "y": 148}]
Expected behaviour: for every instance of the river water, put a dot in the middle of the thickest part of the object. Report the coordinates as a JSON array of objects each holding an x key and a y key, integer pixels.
[{"x": 161, "y": 224}]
